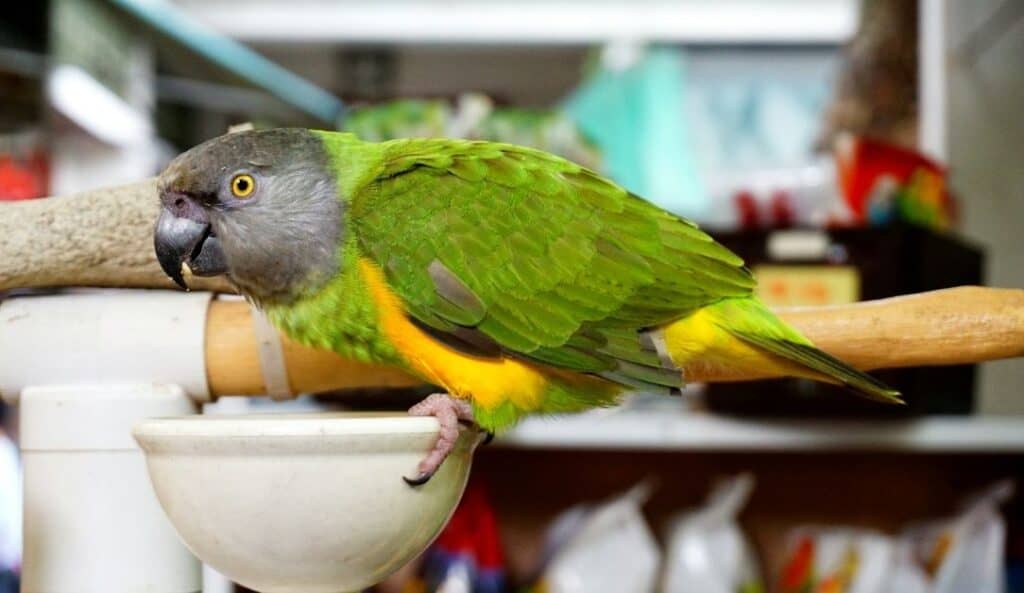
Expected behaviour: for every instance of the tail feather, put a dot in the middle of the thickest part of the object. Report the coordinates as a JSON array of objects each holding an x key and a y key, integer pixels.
[
  {"x": 751, "y": 322},
  {"x": 826, "y": 364}
]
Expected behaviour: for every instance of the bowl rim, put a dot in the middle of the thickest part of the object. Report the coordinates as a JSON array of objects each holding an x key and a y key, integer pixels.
[{"x": 262, "y": 425}]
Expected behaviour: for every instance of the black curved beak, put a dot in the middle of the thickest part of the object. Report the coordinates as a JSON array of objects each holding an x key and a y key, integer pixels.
[{"x": 180, "y": 240}]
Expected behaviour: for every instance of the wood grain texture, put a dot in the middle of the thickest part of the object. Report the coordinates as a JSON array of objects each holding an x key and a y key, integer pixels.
[
  {"x": 953, "y": 326},
  {"x": 96, "y": 238},
  {"x": 233, "y": 366},
  {"x": 960, "y": 325}
]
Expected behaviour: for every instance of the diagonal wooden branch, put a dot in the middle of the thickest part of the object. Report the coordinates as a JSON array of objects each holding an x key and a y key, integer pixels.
[{"x": 95, "y": 238}]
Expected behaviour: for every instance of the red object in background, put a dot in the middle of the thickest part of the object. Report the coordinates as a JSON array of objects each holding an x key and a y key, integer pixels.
[
  {"x": 473, "y": 529},
  {"x": 747, "y": 207},
  {"x": 782, "y": 210},
  {"x": 24, "y": 177},
  {"x": 866, "y": 169},
  {"x": 778, "y": 213},
  {"x": 798, "y": 572}
]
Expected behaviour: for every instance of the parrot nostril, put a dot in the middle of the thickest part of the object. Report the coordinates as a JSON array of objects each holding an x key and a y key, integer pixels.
[{"x": 180, "y": 205}]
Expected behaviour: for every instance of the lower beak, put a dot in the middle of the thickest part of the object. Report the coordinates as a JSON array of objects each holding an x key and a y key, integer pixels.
[{"x": 180, "y": 241}]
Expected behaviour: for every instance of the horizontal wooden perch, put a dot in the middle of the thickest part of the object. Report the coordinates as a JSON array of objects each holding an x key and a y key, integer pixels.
[{"x": 953, "y": 326}]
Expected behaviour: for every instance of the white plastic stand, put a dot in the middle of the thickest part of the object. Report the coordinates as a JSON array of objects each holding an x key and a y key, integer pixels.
[
  {"x": 92, "y": 522},
  {"x": 104, "y": 337},
  {"x": 86, "y": 368}
]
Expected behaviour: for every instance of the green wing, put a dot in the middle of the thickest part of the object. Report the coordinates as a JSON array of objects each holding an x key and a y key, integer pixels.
[{"x": 493, "y": 244}]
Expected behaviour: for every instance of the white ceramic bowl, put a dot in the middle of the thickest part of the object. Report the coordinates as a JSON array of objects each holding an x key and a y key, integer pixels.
[{"x": 302, "y": 503}]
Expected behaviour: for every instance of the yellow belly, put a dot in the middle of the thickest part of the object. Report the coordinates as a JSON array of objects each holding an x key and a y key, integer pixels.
[{"x": 488, "y": 382}]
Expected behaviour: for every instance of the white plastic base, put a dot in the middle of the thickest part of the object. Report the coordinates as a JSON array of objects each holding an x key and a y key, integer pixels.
[{"x": 92, "y": 521}]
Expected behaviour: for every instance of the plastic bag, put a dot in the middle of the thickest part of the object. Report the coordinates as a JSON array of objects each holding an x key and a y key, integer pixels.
[
  {"x": 837, "y": 560},
  {"x": 959, "y": 555},
  {"x": 605, "y": 549},
  {"x": 707, "y": 552},
  {"x": 963, "y": 554}
]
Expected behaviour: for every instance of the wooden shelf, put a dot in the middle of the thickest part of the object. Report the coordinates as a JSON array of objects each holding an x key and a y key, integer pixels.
[{"x": 673, "y": 430}]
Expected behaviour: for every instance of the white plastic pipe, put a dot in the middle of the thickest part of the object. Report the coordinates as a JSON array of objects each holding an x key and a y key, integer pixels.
[
  {"x": 100, "y": 337},
  {"x": 86, "y": 367},
  {"x": 92, "y": 522}
]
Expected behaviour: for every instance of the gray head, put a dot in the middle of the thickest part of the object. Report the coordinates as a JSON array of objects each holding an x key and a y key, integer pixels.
[{"x": 261, "y": 207}]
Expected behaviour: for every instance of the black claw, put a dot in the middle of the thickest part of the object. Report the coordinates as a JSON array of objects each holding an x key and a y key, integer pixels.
[
  {"x": 487, "y": 439},
  {"x": 418, "y": 480}
]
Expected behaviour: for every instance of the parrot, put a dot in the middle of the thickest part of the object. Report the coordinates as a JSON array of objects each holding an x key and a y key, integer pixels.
[{"x": 518, "y": 282}]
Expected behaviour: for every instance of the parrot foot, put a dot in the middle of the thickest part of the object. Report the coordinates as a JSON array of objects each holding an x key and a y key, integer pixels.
[{"x": 449, "y": 413}]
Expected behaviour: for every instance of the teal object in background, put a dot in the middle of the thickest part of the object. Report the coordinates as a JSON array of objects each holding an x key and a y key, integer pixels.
[
  {"x": 688, "y": 128},
  {"x": 636, "y": 116}
]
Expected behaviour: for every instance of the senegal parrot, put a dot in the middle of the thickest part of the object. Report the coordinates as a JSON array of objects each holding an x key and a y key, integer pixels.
[{"x": 517, "y": 281}]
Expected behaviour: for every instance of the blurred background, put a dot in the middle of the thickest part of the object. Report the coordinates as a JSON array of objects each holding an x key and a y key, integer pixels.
[{"x": 846, "y": 149}]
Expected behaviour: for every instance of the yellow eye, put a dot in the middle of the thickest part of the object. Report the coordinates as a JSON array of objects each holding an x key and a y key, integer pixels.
[{"x": 243, "y": 185}]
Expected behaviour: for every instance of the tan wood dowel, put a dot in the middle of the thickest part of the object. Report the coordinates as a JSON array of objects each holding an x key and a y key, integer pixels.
[
  {"x": 960, "y": 325},
  {"x": 233, "y": 367},
  {"x": 943, "y": 327},
  {"x": 953, "y": 326}
]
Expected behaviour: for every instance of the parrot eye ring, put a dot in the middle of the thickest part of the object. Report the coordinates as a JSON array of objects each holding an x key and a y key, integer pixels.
[{"x": 242, "y": 185}]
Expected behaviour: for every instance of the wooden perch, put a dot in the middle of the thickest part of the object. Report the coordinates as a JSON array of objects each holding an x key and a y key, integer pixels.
[
  {"x": 944, "y": 327},
  {"x": 95, "y": 238},
  {"x": 233, "y": 366}
]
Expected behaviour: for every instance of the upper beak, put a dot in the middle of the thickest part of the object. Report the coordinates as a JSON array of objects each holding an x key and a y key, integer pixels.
[{"x": 179, "y": 240}]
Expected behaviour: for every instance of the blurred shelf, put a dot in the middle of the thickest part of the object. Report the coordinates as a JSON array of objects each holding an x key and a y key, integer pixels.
[
  {"x": 665, "y": 430},
  {"x": 530, "y": 21}
]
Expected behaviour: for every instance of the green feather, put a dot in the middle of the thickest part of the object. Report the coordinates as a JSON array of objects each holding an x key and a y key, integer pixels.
[{"x": 551, "y": 250}]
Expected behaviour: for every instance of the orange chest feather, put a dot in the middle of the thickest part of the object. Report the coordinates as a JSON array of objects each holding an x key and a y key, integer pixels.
[{"x": 488, "y": 382}]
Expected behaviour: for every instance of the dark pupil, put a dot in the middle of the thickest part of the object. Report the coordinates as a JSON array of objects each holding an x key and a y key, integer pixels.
[{"x": 243, "y": 185}]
